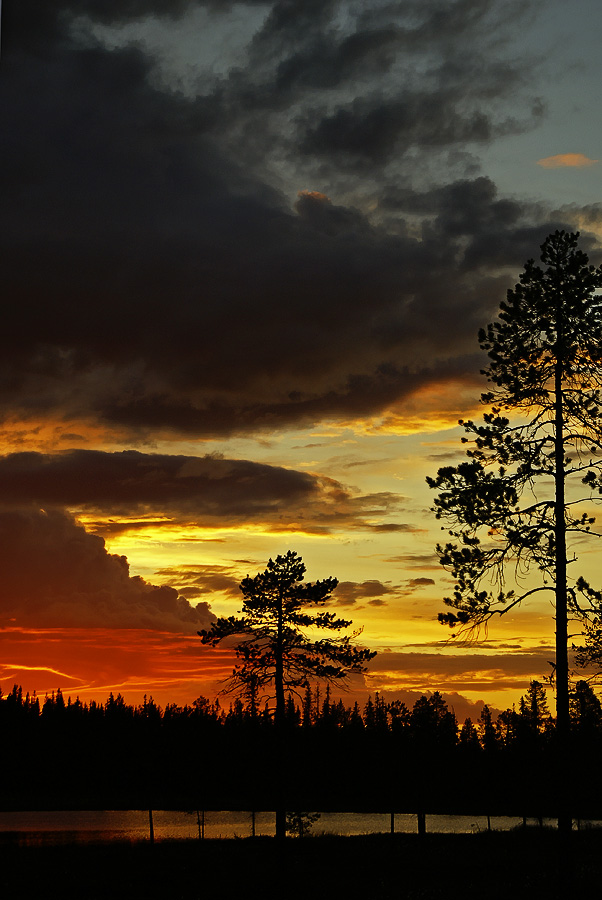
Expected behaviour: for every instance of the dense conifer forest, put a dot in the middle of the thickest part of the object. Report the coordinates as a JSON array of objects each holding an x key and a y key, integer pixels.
[{"x": 62, "y": 753}]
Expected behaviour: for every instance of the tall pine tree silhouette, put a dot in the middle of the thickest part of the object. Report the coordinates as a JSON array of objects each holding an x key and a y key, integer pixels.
[
  {"x": 508, "y": 507},
  {"x": 280, "y": 647}
]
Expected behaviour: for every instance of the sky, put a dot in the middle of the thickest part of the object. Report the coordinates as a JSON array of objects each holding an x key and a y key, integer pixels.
[{"x": 246, "y": 252}]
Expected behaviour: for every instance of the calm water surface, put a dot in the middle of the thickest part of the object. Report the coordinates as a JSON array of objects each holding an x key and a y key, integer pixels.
[{"x": 133, "y": 825}]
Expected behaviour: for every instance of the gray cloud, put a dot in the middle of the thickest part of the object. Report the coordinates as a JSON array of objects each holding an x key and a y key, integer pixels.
[
  {"x": 420, "y": 561},
  {"x": 465, "y": 671},
  {"x": 369, "y": 131},
  {"x": 349, "y": 592},
  {"x": 207, "y": 490},
  {"x": 194, "y": 582},
  {"x": 373, "y": 591},
  {"x": 54, "y": 573}
]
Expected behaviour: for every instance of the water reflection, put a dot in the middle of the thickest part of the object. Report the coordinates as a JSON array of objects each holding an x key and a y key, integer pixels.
[{"x": 133, "y": 825}]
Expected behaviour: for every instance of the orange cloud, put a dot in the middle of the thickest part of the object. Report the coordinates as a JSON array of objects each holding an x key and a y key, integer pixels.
[
  {"x": 432, "y": 407},
  {"x": 566, "y": 160},
  {"x": 314, "y": 195},
  {"x": 498, "y": 674}
]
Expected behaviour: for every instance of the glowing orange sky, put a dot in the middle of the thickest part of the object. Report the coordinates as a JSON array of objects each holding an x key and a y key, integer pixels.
[
  {"x": 391, "y": 584},
  {"x": 92, "y": 663}
]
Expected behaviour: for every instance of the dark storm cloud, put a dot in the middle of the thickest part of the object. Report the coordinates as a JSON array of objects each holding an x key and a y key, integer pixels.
[
  {"x": 372, "y": 131},
  {"x": 130, "y": 480},
  {"x": 205, "y": 490},
  {"x": 157, "y": 279},
  {"x": 22, "y": 20},
  {"x": 441, "y": 82},
  {"x": 54, "y": 573},
  {"x": 326, "y": 63},
  {"x": 464, "y": 207}
]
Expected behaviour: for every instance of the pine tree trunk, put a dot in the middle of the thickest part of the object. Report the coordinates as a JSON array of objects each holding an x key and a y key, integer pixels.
[
  {"x": 279, "y": 725},
  {"x": 562, "y": 663},
  {"x": 280, "y": 823}
]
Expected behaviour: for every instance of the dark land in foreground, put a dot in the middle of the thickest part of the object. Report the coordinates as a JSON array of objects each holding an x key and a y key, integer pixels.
[{"x": 527, "y": 863}]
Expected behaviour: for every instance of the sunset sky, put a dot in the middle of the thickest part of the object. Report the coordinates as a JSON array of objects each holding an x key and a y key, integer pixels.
[{"x": 247, "y": 248}]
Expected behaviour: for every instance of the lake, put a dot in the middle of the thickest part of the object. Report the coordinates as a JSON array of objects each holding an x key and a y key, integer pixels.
[{"x": 133, "y": 825}]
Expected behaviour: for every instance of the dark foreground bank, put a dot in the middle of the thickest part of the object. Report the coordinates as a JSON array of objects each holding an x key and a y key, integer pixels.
[{"x": 522, "y": 864}]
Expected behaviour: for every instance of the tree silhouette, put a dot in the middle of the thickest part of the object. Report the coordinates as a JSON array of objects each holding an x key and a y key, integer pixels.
[
  {"x": 489, "y": 734},
  {"x": 586, "y": 712},
  {"x": 508, "y": 506},
  {"x": 432, "y": 723},
  {"x": 469, "y": 736},
  {"x": 300, "y": 824},
  {"x": 137, "y": 749},
  {"x": 533, "y": 708},
  {"x": 279, "y": 651}
]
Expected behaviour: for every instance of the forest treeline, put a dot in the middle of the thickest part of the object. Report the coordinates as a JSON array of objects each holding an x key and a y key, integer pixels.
[{"x": 384, "y": 756}]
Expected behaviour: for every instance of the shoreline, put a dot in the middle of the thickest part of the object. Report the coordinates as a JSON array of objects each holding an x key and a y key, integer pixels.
[{"x": 523, "y": 863}]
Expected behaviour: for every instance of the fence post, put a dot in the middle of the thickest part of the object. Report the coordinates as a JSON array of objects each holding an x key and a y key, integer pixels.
[{"x": 421, "y": 822}]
